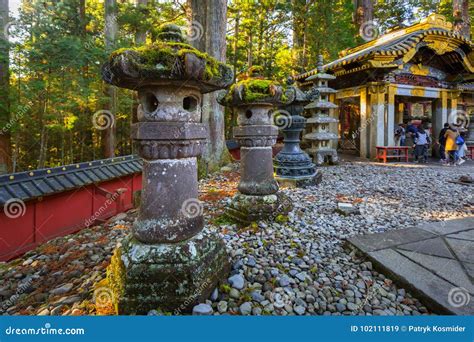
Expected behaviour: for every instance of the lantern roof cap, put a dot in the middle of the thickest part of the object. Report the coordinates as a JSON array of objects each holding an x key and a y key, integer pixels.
[{"x": 168, "y": 61}]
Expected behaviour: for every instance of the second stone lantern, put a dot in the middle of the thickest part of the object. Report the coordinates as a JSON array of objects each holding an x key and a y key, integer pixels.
[
  {"x": 255, "y": 99},
  {"x": 293, "y": 166},
  {"x": 169, "y": 262}
]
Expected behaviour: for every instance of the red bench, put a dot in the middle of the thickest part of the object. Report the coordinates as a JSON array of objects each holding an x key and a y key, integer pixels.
[
  {"x": 470, "y": 152},
  {"x": 387, "y": 152}
]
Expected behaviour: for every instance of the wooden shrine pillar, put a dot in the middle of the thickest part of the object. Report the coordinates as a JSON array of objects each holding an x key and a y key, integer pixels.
[
  {"x": 440, "y": 114},
  {"x": 376, "y": 119},
  {"x": 390, "y": 133},
  {"x": 363, "y": 129}
]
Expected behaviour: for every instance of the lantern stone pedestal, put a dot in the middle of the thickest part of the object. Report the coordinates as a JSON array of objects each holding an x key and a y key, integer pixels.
[
  {"x": 293, "y": 166},
  {"x": 258, "y": 196},
  {"x": 169, "y": 262}
]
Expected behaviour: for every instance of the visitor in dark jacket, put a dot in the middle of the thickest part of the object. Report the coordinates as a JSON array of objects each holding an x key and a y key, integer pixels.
[
  {"x": 422, "y": 141},
  {"x": 442, "y": 142}
]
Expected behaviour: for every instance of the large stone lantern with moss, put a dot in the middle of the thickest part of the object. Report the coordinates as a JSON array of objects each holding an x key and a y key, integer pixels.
[
  {"x": 255, "y": 99},
  {"x": 169, "y": 261}
]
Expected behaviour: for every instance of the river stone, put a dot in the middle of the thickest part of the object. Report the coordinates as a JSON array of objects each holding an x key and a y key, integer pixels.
[
  {"x": 237, "y": 281},
  {"x": 245, "y": 308},
  {"x": 202, "y": 310}
]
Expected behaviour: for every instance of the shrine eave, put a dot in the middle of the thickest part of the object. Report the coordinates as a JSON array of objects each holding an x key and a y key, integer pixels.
[
  {"x": 396, "y": 48},
  {"x": 42, "y": 182}
]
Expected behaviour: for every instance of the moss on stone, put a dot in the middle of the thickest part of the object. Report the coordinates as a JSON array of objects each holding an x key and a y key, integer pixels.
[
  {"x": 281, "y": 218},
  {"x": 254, "y": 90},
  {"x": 116, "y": 276},
  {"x": 160, "y": 59},
  {"x": 223, "y": 220}
]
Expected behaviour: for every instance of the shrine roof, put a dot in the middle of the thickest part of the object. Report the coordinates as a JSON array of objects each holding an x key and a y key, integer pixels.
[
  {"x": 37, "y": 183},
  {"x": 398, "y": 46}
]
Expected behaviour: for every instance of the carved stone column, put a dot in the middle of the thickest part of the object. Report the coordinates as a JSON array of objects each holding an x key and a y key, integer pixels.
[
  {"x": 293, "y": 166},
  {"x": 254, "y": 99},
  {"x": 169, "y": 261}
]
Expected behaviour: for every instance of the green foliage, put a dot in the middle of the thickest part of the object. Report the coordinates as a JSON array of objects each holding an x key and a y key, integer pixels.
[
  {"x": 57, "y": 52},
  {"x": 55, "y": 77}
]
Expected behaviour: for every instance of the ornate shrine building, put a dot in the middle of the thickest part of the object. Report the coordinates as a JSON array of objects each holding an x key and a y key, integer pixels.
[{"x": 422, "y": 72}]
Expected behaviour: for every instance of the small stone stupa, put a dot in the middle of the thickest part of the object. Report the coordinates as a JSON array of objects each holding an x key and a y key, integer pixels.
[
  {"x": 319, "y": 132},
  {"x": 169, "y": 261},
  {"x": 254, "y": 98}
]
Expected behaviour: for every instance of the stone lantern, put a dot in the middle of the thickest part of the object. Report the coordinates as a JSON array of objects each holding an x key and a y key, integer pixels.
[
  {"x": 255, "y": 99},
  {"x": 293, "y": 166},
  {"x": 169, "y": 261}
]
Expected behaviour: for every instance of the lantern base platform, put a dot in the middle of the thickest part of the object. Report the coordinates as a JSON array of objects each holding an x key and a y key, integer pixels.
[
  {"x": 171, "y": 277},
  {"x": 246, "y": 209},
  {"x": 322, "y": 157},
  {"x": 301, "y": 182}
]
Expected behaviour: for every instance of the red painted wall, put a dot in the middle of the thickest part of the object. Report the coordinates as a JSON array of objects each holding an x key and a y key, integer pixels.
[{"x": 65, "y": 213}]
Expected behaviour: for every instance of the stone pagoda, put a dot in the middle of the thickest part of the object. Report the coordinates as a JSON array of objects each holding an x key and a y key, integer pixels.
[
  {"x": 319, "y": 133},
  {"x": 293, "y": 166},
  {"x": 255, "y": 99},
  {"x": 169, "y": 261}
]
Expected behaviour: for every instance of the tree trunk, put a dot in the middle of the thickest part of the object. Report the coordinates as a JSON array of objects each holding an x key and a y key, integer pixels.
[
  {"x": 364, "y": 11},
  {"x": 140, "y": 35},
  {"x": 236, "y": 43},
  {"x": 197, "y": 18},
  {"x": 299, "y": 32},
  {"x": 82, "y": 16},
  {"x": 140, "y": 39},
  {"x": 212, "y": 16},
  {"x": 111, "y": 29},
  {"x": 250, "y": 50},
  {"x": 462, "y": 20},
  {"x": 5, "y": 137}
]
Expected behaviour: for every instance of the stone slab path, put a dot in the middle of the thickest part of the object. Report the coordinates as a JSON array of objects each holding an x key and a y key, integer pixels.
[{"x": 435, "y": 260}]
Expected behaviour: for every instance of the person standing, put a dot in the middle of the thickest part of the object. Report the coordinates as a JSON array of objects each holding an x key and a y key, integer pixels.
[
  {"x": 422, "y": 141},
  {"x": 442, "y": 143},
  {"x": 400, "y": 135},
  {"x": 462, "y": 148},
  {"x": 450, "y": 145}
]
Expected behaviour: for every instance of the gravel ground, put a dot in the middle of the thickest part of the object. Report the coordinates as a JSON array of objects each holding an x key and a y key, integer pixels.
[{"x": 295, "y": 266}]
